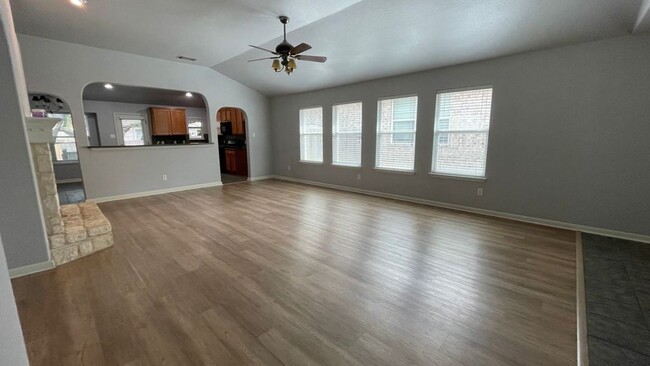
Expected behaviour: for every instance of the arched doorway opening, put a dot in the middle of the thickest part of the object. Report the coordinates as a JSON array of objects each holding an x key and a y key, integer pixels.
[
  {"x": 65, "y": 159},
  {"x": 233, "y": 149}
]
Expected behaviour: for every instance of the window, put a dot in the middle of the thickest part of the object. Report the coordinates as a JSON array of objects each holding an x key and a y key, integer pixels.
[
  {"x": 396, "y": 133},
  {"x": 64, "y": 147},
  {"x": 346, "y": 134},
  {"x": 195, "y": 128},
  {"x": 311, "y": 135},
  {"x": 131, "y": 129},
  {"x": 460, "y": 135}
]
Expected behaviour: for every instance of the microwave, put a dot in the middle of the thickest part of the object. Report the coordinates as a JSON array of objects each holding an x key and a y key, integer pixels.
[{"x": 226, "y": 128}]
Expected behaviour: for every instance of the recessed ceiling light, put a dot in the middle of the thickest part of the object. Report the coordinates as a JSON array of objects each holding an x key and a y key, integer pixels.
[
  {"x": 79, "y": 3},
  {"x": 108, "y": 86},
  {"x": 188, "y": 94}
]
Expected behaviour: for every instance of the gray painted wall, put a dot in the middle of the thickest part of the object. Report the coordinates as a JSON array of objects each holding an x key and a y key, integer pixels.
[
  {"x": 21, "y": 222},
  {"x": 67, "y": 171},
  {"x": 12, "y": 344},
  {"x": 64, "y": 69},
  {"x": 569, "y": 138},
  {"x": 106, "y": 116}
]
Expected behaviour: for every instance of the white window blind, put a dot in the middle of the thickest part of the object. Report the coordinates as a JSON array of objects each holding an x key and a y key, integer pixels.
[
  {"x": 346, "y": 134},
  {"x": 311, "y": 134},
  {"x": 460, "y": 136},
  {"x": 396, "y": 133}
]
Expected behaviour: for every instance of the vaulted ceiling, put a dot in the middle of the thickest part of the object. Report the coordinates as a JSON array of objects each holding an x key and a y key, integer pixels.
[{"x": 362, "y": 39}]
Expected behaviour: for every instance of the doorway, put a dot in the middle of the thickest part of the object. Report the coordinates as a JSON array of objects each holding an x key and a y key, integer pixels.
[
  {"x": 65, "y": 159},
  {"x": 233, "y": 149}
]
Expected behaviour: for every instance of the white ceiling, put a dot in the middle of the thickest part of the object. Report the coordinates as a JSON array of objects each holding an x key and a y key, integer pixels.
[
  {"x": 362, "y": 39},
  {"x": 211, "y": 31}
]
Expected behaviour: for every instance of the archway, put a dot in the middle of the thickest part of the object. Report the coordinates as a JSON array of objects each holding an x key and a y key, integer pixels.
[
  {"x": 233, "y": 147},
  {"x": 65, "y": 159}
]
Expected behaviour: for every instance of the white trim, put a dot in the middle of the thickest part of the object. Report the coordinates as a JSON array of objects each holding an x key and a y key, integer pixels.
[
  {"x": 152, "y": 193},
  {"x": 581, "y": 306},
  {"x": 346, "y": 166},
  {"x": 395, "y": 171},
  {"x": 481, "y": 211},
  {"x": 468, "y": 178},
  {"x": 72, "y": 180},
  {"x": 31, "y": 269},
  {"x": 261, "y": 177},
  {"x": 195, "y": 119},
  {"x": 119, "y": 134}
]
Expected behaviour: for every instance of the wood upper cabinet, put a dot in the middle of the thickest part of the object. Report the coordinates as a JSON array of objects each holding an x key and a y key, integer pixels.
[
  {"x": 236, "y": 118},
  {"x": 238, "y": 124},
  {"x": 167, "y": 121},
  {"x": 161, "y": 121},
  {"x": 179, "y": 122}
]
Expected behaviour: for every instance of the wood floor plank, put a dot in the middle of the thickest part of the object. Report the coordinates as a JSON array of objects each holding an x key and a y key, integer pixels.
[{"x": 278, "y": 273}]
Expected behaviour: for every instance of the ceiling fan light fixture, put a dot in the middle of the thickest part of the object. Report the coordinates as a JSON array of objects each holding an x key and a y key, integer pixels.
[
  {"x": 276, "y": 66},
  {"x": 285, "y": 55}
]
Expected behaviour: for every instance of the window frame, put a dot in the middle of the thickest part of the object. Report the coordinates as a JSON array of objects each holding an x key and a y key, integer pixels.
[
  {"x": 434, "y": 145},
  {"x": 335, "y": 134},
  {"x": 55, "y": 161},
  {"x": 322, "y": 135},
  {"x": 146, "y": 135},
  {"x": 392, "y": 133},
  {"x": 191, "y": 120}
]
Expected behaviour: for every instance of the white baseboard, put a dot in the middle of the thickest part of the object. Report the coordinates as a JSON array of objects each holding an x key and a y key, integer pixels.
[
  {"x": 505, "y": 215},
  {"x": 152, "y": 193},
  {"x": 31, "y": 268},
  {"x": 73, "y": 180},
  {"x": 261, "y": 177}
]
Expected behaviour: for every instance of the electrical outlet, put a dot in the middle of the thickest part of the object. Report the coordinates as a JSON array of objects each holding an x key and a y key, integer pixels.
[
  {"x": 479, "y": 192},
  {"x": 359, "y": 176},
  {"x": 253, "y": 134},
  {"x": 289, "y": 167},
  {"x": 112, "y": 135},
  {"x": 164, "y": 177}
]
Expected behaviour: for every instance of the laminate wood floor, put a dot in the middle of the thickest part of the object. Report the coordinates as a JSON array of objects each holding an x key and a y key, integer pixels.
[{"x": 274, "y": 273}]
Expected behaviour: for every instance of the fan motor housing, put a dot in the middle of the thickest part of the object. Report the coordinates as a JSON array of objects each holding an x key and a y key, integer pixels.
[{"x": 283, "y": 48}]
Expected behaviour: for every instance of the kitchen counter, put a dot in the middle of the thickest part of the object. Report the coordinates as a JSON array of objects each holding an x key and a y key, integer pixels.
[{"x": 191, "y": 144}]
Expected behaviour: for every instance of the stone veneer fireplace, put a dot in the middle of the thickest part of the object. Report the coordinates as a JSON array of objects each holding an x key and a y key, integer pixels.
[{"x": 74, "y": 231}]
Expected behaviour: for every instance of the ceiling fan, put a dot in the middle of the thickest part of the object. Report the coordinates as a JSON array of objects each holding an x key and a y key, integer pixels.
[{"x": 285, "y": 54}]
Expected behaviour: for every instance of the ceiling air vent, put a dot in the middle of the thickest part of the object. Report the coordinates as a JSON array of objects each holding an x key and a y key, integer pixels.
[{"x": 185, "y": 58}]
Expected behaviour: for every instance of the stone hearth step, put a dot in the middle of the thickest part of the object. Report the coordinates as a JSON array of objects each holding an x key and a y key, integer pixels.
[{"x": 84, "y": 230}]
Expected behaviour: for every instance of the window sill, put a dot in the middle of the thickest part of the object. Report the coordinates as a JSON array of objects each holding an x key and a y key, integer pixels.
[
  {"x": 310, "y": 162},
  {"x": 68, "y": 162},
  {"x": 458, "y": 177},
  {"x": 346, "y": 166},
  {"x": 395, "y": 171}
]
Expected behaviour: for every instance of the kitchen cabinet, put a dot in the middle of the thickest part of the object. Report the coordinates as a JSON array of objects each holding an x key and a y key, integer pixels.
[
  {"x": 235, "y": 161},
  {"x": 236, "y": 117},
  {"x": 168, "y": 121}
]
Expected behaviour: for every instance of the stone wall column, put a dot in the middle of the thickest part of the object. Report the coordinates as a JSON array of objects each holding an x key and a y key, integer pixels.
[{"x": 47, "y": 189}]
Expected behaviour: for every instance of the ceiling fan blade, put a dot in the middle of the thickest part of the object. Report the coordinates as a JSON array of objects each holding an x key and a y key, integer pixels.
[
  {"x": 263, "y": 49},
  {"x": 265, "y": 58},
  {"x": 311, "y": 58},
  {"x": 300, "y": 48}
]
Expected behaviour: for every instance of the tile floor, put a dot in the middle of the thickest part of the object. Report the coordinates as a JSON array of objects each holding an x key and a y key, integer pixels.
[
  {"x": 71, "y": 193},
  {"x": 617, "y": 283},
  {"x": 229, "y": 178}
]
